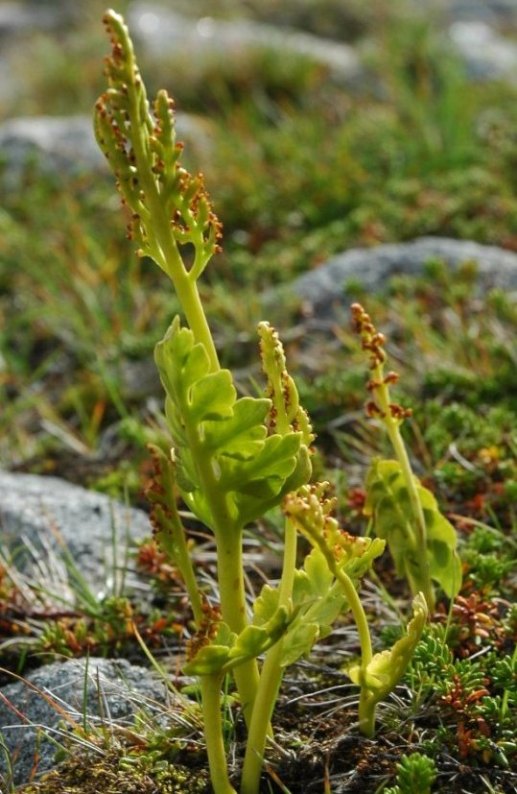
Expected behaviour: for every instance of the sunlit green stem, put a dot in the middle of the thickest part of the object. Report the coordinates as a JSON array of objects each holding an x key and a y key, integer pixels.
[
  {"x": 366, "y": 705},
  {"x": 270, "y": 678},
  {"x": 230, "y": 572},
  {"x": 233, "y": 607},
  {"x": 213, "y": 729}
]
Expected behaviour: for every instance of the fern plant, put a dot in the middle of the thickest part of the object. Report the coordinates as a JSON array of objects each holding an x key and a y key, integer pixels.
[
  {"x": 421, "y": 540},
  {"x": 232, "y": 458}
]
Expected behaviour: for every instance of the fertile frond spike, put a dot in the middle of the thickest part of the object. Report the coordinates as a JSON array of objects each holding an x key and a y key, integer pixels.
[
  {"x": 286, "y": 413},
  {"x": 380, "y": 406},
  {"x": 391, "y": 415},
  {"x": 122, "y": 62},
  {"x": 169, "y": 206},
  {"x": 165, "y": 129},
  {"x": 310, "y": 510},
  {"x": 167, "y": 525}
]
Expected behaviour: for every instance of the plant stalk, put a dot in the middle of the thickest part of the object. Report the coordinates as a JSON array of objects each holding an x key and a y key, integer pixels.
[
  {"x": 213, "y": 730},
  {"x": 174, "y": 541},
  {"x": 393, "y": 430},
  {"x": 366, "y": 705},
  {"x": 270, "y": 677},
  {"x": 233, "y": 608}
]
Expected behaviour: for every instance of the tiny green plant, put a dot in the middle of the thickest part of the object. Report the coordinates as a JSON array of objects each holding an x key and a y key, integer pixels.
[
  {"x": 415, "y": 772},
  {"x": 234, "y": 458}
]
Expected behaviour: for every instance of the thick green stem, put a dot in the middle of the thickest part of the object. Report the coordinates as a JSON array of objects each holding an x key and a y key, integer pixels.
[
  {"x": 289, "y": 564},
  {"x": 233, "y": 608},
  {"x": 213, "y": 729},
  {"x": 421, "y": 530},
  {"x": 357, "y": 609},
  {"x": 270, "y": 678},
  {"x": 188, "y": 295},
  {"x": 227, "y": 534},
  {"x": 366, "y": 712},
  {"x": 169, "y": 259}
]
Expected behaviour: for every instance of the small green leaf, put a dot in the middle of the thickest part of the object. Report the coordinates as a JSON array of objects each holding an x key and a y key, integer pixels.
[
  {"x": 386, "y": 668},
  {"x": 265, "y": 605},
  {"x": 209, "y": 660},
  {"x": 228, "y": 650},
  {"x": 254, "y": 640},
  {"x": 264, "y": 474},
  {"x": 212, "y": 397},
  {"x": 388, "y": 504},
  {"x": 318, "y": 573},
  {"x": 299, "y": 642},
  {"x": 317, "y": 601},
  {"x": 243, "y": 437}
]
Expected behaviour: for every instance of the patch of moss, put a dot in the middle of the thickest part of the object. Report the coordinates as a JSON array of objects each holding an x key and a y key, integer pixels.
[{"x": 83, "y": 773}]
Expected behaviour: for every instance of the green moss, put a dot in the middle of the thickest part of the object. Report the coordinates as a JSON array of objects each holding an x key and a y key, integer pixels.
[{"x": 83, "y": 773}]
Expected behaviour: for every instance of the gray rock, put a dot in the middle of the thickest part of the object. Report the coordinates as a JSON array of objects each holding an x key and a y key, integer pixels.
[
  {"x": 481, "y": 31},
  {"x": 372, "y": 267},
  {"x": 66, "y": 144},
  {"x": 44, "y": 513},
  {"x": 486, "y": 54},
  {"x": 165, "y": 32},
  {"x": 140, "y": 379},
  {"x": 16, "y": 18},
  {"x": 492, "y": 12},
  {"x": 32, "y": 710},
  {"x": 55, "y": 143}
]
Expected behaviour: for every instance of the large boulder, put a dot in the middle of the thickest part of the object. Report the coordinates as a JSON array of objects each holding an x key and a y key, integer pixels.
[
  {"x": 18, "y": 18},
  {"x": 67, "y": 145},
  {"x": 486, "y": 54},
  {"x": 36, "y": 712},
  {"x": 164, "y": 33},
  {"x": 325, "y": 286},
  {"x": 39, "y": 516}
]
